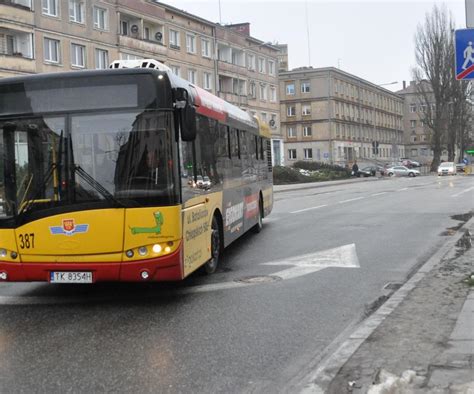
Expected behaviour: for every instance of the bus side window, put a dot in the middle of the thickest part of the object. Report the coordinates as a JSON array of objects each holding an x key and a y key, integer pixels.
[
  {"x": 227, "y": 136},
  {"x": 235, "y": 143}
]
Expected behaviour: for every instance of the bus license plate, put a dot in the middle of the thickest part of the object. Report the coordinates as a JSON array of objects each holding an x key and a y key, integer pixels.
[{"x": 70, "y": 277}]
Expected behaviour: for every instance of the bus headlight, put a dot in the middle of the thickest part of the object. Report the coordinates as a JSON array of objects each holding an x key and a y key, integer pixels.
[
  {"x": 156, "y": 248},
  {"x": 142, "y": 251},
  {"x": 3, "y": 252}
]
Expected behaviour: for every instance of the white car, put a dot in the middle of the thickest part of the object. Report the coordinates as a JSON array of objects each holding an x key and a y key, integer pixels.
[
  {"x": 447, "y": 168},
  {"x": 402, "y": 171}
]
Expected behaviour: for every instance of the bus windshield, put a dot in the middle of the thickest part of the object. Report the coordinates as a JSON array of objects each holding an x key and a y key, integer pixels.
[{"x": 59, "y": 163}]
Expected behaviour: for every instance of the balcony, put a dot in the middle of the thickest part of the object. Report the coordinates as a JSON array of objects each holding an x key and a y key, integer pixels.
[
  {"x": 233, "y": 98},
  {"x": 142, "y": 45},
  {"x": 17, "y": 64},
  {"x": 16, "y": 43},
  {"x": 15, "y": 13}
]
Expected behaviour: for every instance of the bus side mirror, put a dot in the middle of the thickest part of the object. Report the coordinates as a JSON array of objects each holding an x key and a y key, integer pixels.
[{"x": 188, "y": 123}]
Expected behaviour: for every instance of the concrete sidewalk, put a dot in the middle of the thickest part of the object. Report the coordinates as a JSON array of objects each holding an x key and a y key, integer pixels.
[
  {"x": 425, "y": 342},
  {"x": 311, "y": 185}
]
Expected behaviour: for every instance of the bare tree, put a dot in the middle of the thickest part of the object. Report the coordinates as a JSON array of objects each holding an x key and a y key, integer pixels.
[{"x": 434, "y": 52}]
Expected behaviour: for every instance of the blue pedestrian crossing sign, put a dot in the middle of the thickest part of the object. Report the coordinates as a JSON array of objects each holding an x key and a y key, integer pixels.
[{"x": 464, "y": 41}]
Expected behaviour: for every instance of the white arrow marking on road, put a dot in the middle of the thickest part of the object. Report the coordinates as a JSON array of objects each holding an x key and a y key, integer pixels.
[{"x": 343, "y": 256}]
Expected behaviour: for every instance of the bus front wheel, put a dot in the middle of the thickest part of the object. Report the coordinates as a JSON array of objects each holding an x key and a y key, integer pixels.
[
  {"x": 216, "y": 247},
  {"x": 258, "y": 227}
]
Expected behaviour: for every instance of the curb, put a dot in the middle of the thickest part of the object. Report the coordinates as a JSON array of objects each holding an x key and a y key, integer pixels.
[
  {"x": 313, "y": 185},
  {"x": 318, "y": 380}
]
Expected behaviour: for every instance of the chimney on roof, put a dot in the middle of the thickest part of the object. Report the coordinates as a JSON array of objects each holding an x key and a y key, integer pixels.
[
  {"x": 404, "y": 85},
  {"x": 242, "y": 28}
]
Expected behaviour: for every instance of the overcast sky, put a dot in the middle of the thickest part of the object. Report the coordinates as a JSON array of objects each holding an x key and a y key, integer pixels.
[{"x": 371, "y": 39}]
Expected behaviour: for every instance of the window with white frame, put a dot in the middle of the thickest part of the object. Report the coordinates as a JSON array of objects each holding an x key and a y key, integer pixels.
[
  {"x": 78, "y": 55},
  {"x": 76, "y": 11},
  {"x": 206, "y": 47},
  {"x": 290, "y": 89},
  {"x": 261, "y": 65},
  {"x": 307, "y": 131},
  {"x": 413, "y": 123},
  {"x": 128, "y": 56},
  {"x": 306, "y": 110},
  {"x": 52, "y": 50},
  {"x": 101, "y": 58},
  {"x": 292, "y": 154},
  {"x": 291, "y": 110},
  {"x": 271, "y": 67},
  {"x": 273, "y": 94},
  {"x": 207, "y": 81},
  {"x": 50, "y": 7},
  {"x": 291, "y": 132},
  {"x": 263, "y": 91},
  {"x": 251, "y": 62},
  {"x": 308, "y": 153},
  {"x": 252, "y": 90},
  {"x": 305, "y": 87},
  {"x": 192, "y": 76},
  {"x": 263, "y": 116},
  {"x": 174, "y": 38},
  {"x": 175, "y": 70},
  {"x": 101, "y": 18},
  {"x": 190, "y": 43}
]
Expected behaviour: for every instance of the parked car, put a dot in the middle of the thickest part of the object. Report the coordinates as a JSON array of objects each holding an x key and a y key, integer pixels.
[
  {"x": 447, "y": 168},
  {"x": 409, "y": 163},
  {"x": 206, "y": 183},
  {"x": 370, "y": 171},
  {"x": 402, "y": 171},
  {"x": 461, "y": 167}
]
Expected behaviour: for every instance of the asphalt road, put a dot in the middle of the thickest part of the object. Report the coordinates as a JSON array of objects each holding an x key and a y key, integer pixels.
[{"x": 251, "y": 327}]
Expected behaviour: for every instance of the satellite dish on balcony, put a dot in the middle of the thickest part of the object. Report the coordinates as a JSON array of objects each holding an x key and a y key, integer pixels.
[
  {"x": 158, "y": 36},
  {"x": 134, "y": 29}
]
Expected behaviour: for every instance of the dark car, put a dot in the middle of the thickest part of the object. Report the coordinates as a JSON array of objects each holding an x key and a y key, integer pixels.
[{"x": 370, "y": 171}]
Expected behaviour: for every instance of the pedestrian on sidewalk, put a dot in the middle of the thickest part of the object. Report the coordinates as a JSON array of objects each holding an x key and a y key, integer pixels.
[{"x": 355, "y": 169}]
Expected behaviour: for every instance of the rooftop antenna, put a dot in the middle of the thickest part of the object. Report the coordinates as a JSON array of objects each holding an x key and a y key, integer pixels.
[
  {"x": 220, "y": 13},
  {"x": 307, "y": 33}
]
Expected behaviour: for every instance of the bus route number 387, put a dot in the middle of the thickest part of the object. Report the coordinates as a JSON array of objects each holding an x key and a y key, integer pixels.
[{"x": 27, "y": 241}]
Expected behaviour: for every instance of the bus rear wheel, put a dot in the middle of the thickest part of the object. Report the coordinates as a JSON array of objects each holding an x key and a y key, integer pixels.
[
  {"x": 216, "y": 247},
  {"x": 258, "y": 227}
]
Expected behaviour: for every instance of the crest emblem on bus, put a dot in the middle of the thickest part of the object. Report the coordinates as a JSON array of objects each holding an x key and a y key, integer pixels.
[{"x": 69, "y": 228}]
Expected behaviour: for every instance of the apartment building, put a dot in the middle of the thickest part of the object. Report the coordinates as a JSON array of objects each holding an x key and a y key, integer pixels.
[
  {"x": 417, "y": 136},
  {"x": 50, "y": 35},
  {"x": 331, "y": 116}
]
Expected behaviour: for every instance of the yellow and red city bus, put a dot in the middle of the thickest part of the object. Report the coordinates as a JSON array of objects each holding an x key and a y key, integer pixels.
[{"x": 128, "y": 174}]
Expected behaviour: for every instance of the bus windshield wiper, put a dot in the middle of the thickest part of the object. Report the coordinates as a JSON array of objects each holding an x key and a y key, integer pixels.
[{"x": 97, "y": 186}]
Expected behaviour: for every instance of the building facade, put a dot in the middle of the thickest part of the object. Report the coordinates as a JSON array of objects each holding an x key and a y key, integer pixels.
[
  {"x": 50, "y": 35},
  {"x": 331, "y": 116}
]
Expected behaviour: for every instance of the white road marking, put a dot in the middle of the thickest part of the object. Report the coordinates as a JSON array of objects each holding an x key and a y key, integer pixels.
[
  {"x": 309, "y": 209},
  {"x": 343, "y": 256},
  {"x": 464, "y": 191},
  {"x": 351, "y": 199},
  {"x": 378, "y": 194},
  {"x": 402, "y": 190}
]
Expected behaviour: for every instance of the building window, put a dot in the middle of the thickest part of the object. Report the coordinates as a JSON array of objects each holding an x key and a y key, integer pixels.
[
  {"x": 263, "y": 116},
  {"x": 305, "y": 87},
  {"x": 128, "y": 56},
  {"x": 251, "y": 62},
  {"x": 307, "y": 131},
  {"x": 101, "y": 58},
  {"x": 192, "y": 76},
  {"x": 174, "y": 39},
  {"x": 308, "y": 153},
  {"x": 263, "y": 92},
  {"x": 290, "y": 89},
  {"x": 76, "y": 11},
  {"x": 291, "y": 111},
  {"x": 413, "y": 123},
  {"x": 205, "y": 48},
  {"x": 100, "y": 18},
  {"x": 414, "y": 152},
  {"x": 423, "y": 108},
  {"x": 78, "y": 53},
  {"x": 273, "y": 94},
  {"x": 190, "y": 43},
  {"x": 51, "y": 50},
  {"x": 291, "y": 132},
  {"x": 306, "y": 110},
  {"x": 175, "y": 70},
  {"x": 292, "y": 154},
  {"x": 124, "y": 28},
  {"x": 50, "y": 7},
  {"x": 271, "y": 67},
  {"x": 207, "y": 81},
  {"x": 261, "y": 65}
]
